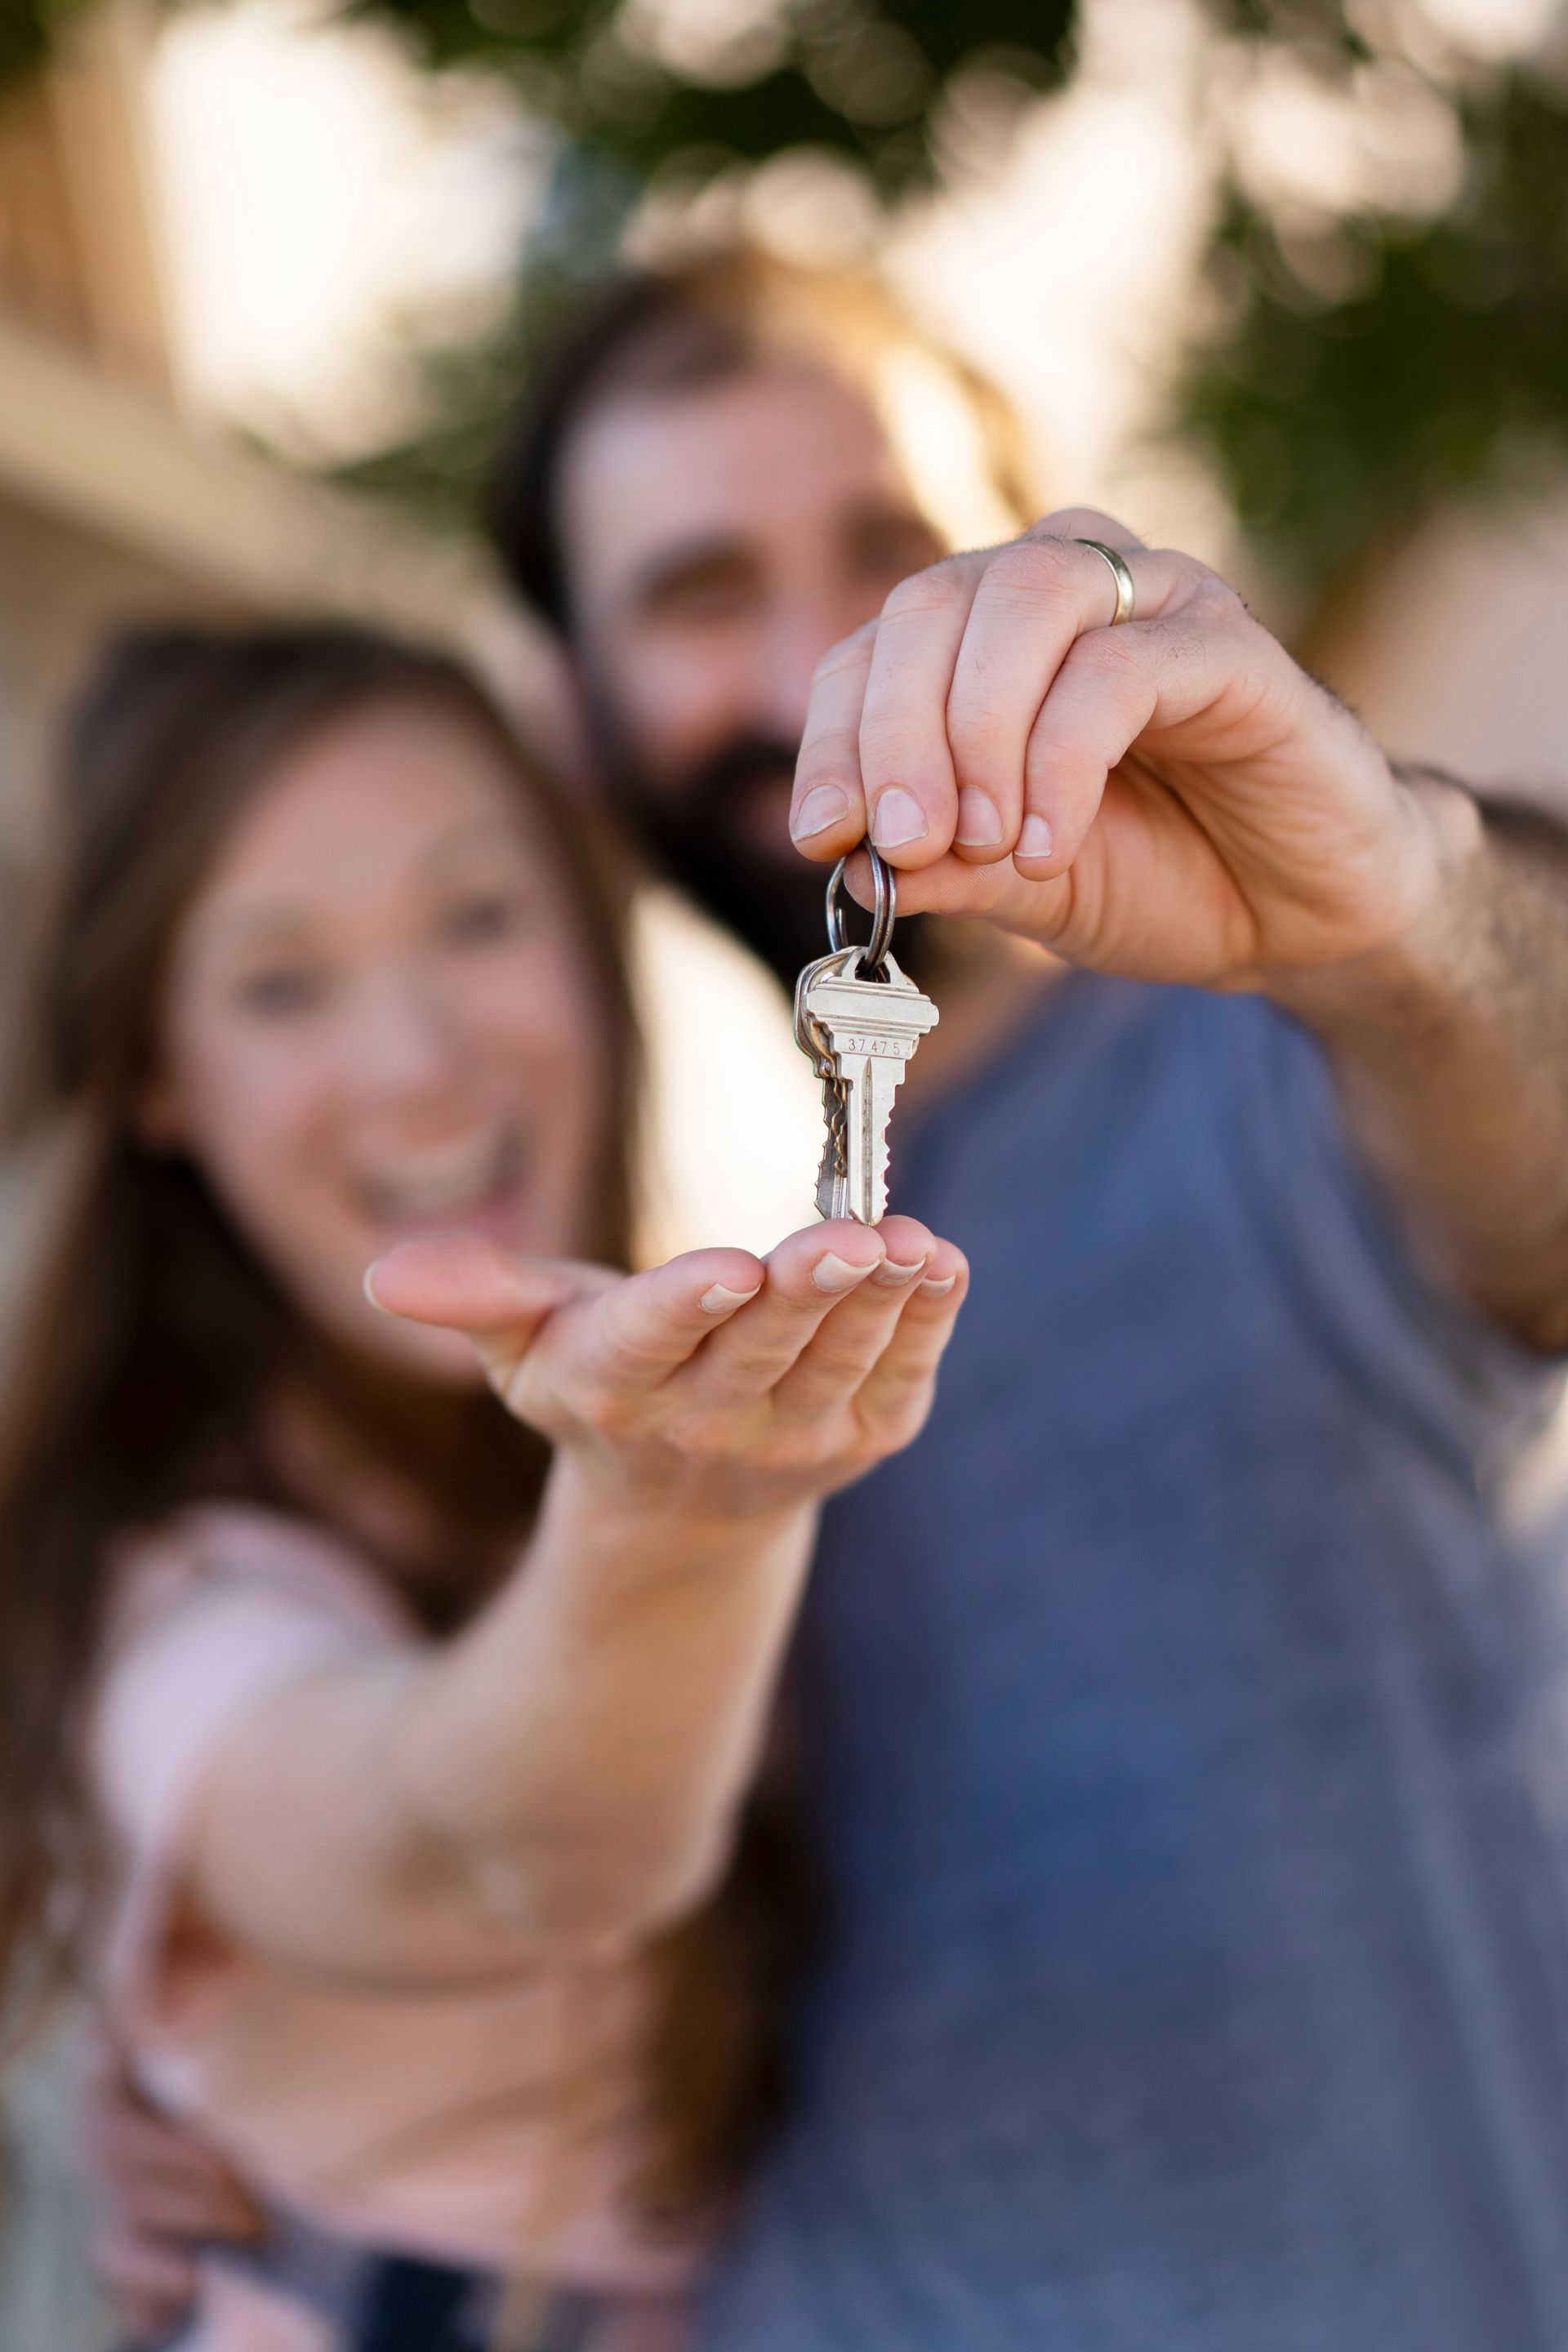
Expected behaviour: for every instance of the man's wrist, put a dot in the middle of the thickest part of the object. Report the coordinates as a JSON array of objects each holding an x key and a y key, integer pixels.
[{"x": 1414, "y": 983}]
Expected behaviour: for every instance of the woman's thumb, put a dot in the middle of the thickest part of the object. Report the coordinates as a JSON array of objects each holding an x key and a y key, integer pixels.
[{"x": 470, "y": 1284}]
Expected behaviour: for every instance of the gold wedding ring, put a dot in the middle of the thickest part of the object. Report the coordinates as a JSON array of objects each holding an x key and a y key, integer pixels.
[{"x": 1125, "y": 592}]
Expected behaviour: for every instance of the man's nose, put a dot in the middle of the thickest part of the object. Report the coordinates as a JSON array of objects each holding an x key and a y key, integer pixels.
[{"x": 796, "y": 643}]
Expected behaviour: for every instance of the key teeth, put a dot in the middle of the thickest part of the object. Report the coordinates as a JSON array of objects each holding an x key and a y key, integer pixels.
[
  {"x": 881, "y": 1160},
  {"x": 832, "y": 1186},
  {"x": 865, "y": 1157}
]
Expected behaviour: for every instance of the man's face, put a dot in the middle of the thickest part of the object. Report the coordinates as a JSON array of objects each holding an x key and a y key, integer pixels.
[{"x": 718, "y": 541}]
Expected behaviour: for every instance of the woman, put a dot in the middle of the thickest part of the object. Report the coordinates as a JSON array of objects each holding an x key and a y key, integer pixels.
[{"x": 401, "y": 1717}]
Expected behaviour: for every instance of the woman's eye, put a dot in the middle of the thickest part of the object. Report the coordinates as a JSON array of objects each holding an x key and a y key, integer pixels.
[
  {"x": 276, "y": 993},
  {"x": 476, "y": 920}
]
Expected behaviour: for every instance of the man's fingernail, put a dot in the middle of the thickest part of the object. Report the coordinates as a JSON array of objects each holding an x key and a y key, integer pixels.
[
  {"x": 889, "y": 1275},
  {"x": 832, "y": 1272},
  {"x": 823, "y": 806},
  {"x": 368, "y": 1287},
  {"x": 939, "y": 1285},
  {"x": 979, "y": 819},
  {"x": 1034, "y": 838},
  {"x": 898, "y": 817},
  {"x": 718, "y": 1300}
]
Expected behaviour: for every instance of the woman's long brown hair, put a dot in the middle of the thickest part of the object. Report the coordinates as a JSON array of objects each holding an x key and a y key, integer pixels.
[{"x": 149, "y": 1338}]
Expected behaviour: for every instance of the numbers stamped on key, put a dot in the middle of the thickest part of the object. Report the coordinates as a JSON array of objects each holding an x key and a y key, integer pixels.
[{"x": 858, "y": 1032}]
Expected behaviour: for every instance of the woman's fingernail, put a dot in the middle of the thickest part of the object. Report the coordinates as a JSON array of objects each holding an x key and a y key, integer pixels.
[
  {"x": 889, "y": 1273},
  {"x": 718, "y": 1300},
  {"x": 898, "y": 817},
  {"x": 939, "y": 1285},
  {"x": 979, "y": 819},
  {"x": 1034, "y": 838},
  {"x": 368, "y": 1287},
  {"x": 832, "y": 1272},
  {"x": 823, "y": 806}
]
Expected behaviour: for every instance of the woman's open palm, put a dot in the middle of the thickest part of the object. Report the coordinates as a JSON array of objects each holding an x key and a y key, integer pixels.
[{"x": 720, "y": 1381}]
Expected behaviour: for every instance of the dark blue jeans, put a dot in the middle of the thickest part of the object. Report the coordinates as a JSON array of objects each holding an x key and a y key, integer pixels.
[{"x": 391, "y": 2302}]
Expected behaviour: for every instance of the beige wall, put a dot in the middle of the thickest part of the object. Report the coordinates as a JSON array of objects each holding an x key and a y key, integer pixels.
[
  {"x": 61, "y": 589},
  {"x": 77, "y": 256},
  {"x": 1458, "y": 651},
  {"x": 112, "y": 509}
]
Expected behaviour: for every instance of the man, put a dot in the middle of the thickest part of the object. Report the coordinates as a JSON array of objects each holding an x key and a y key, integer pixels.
[{"x": 1194, "y": 1979}]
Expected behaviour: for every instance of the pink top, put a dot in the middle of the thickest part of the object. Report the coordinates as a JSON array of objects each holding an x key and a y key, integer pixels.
[{"x": 495, "y": 2122}]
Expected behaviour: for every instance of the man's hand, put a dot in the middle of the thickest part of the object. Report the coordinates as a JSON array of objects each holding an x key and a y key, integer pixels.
[
  {"x": 1172, "y": 798},
  {"x": 160, "y": 2195}
]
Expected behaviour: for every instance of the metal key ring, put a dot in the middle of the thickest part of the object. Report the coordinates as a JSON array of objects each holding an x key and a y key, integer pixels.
[{"x": 885, "y": 914}]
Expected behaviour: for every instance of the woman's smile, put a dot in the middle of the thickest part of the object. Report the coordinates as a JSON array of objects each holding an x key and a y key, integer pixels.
[{"x": 479, "y": 1179}]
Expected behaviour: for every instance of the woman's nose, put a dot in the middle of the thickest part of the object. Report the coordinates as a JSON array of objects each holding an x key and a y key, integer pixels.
[{"x": 399, "y": 1039}]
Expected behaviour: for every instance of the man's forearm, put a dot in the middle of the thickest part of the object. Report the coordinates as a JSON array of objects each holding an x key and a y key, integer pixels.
[{"x": 1451, "y": 1052}]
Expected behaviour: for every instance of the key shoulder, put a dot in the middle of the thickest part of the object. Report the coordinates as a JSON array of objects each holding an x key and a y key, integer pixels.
[{"x": 883, "y": 1017}]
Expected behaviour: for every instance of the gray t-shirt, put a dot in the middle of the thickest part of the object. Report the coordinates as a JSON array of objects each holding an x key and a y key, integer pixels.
[{"x": 1196, "y": 1978}]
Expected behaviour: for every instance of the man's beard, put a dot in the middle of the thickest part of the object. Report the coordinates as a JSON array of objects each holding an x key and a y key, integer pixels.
[{"x": 691, "y": 831}]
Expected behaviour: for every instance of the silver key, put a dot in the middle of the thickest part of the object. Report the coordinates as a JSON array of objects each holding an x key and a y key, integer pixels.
[
  {"x": 832, "y": 1175},
  {"x": 860, "y": 1035}
]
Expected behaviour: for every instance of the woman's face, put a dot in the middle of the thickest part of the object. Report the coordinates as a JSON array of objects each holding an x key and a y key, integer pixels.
[{"x": 379, "y": 1021}]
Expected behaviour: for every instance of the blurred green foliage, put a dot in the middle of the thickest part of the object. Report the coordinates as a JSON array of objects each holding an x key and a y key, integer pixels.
[
  {"x": 861, "y": 80},
  {"x": 1357, "y": 364},
  {"x": 27, "y": 29},
  {"x": 1367, "y": 363},
  {"x": 1360, "y": 356},
  {"x": 874, "y": 86},
  {"x": 858, "y": 79}
]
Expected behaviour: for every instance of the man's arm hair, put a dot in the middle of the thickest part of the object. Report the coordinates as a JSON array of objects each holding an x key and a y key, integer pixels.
[
  {"x": 1452, "y": 1059},
  {"x": 1528, "y": 916}
]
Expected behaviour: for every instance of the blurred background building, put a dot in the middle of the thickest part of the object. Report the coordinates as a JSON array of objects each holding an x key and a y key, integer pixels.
[
  {"x": 116, "y": 496},
  {"x": 1284, "y": 280}
]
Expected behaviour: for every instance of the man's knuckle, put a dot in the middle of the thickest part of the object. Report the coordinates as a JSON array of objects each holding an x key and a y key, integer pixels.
[
  {"x": 1106, "y": 655},
  {"x": 894, "y": 750},
  {"x": 935, "y": 590},
  {"x": 975, "y": 716},
  {"x": 1052, "y": 771},
  {"x": 883, "y": 725},
  {"x": 1029, "y": 569},
  {"x": 1213, "y": 599},
  {"x": 845, "y": 654}
]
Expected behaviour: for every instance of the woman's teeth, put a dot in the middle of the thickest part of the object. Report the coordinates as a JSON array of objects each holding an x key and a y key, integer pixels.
[{"x": 445, "y": 1181}]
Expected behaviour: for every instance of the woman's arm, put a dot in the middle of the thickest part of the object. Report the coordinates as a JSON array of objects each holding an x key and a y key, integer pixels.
[{"x": 568, "y": 1769}]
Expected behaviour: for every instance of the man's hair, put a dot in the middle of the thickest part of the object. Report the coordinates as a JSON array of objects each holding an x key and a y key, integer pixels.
[{"x": 657, "y": 333}]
